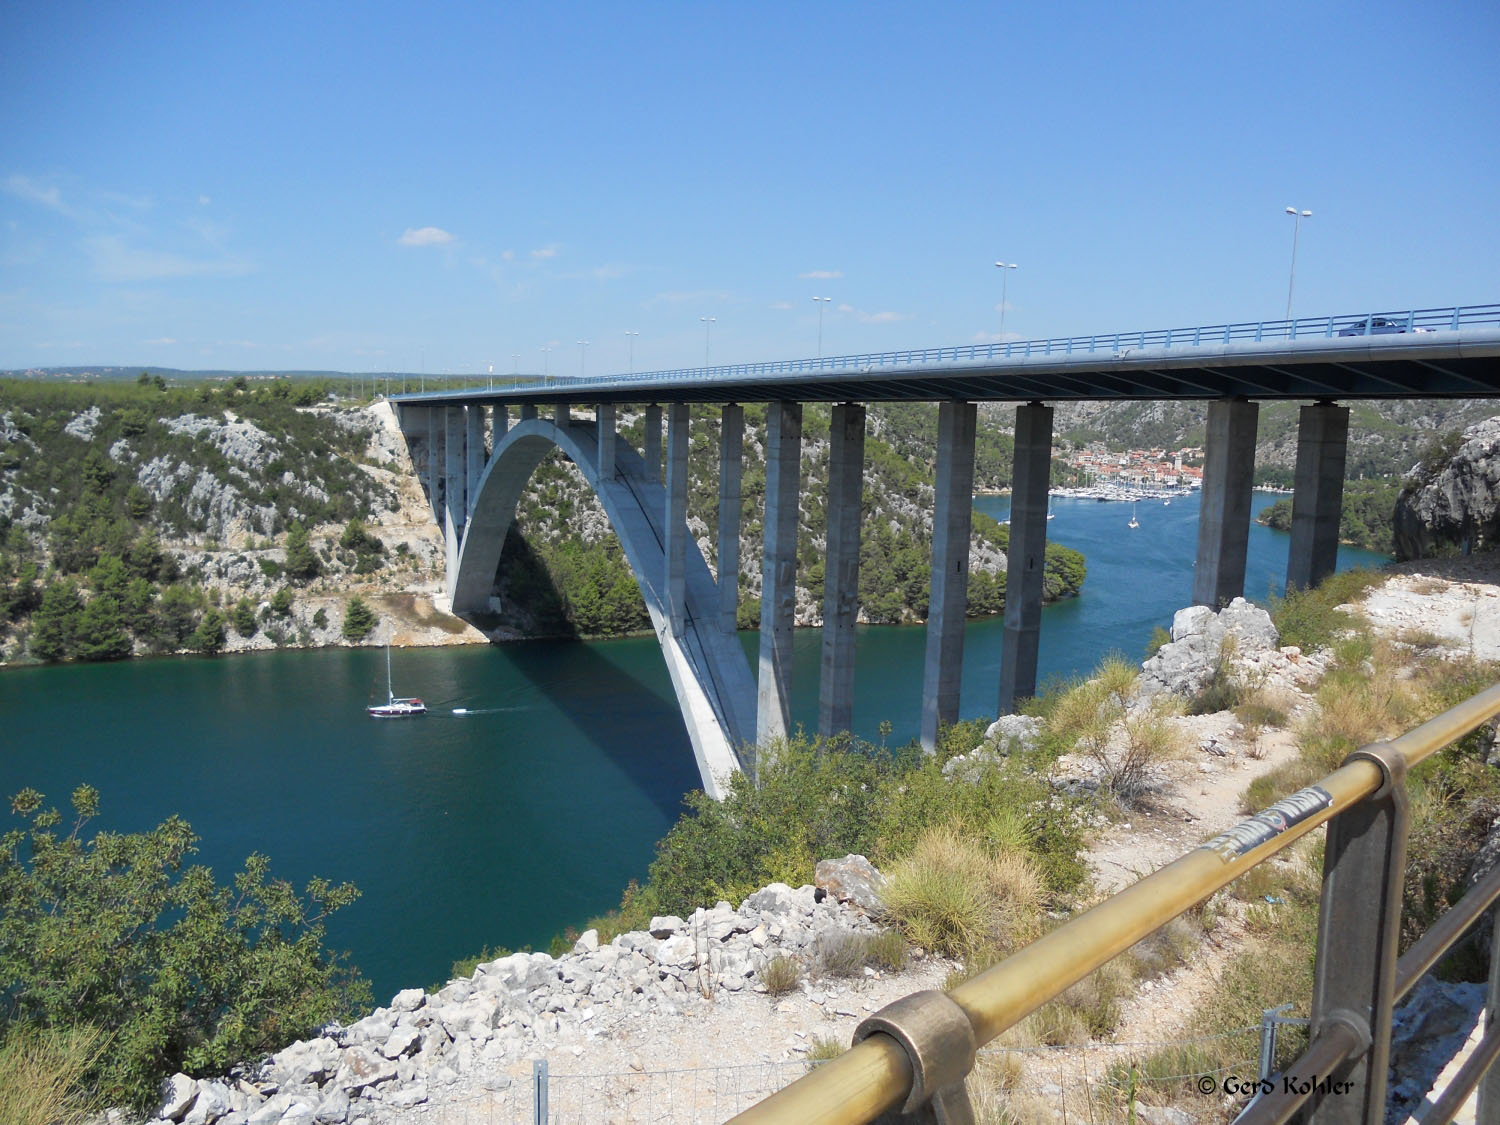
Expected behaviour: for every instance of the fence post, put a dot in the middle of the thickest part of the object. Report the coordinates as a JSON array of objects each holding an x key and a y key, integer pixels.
[
  {"x": 539, "y": 1091},
  {"x": 1359, "y": 921}
]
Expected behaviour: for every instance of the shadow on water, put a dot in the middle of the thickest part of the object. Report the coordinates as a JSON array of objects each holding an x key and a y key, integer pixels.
[{"x": 625, "y": 716}]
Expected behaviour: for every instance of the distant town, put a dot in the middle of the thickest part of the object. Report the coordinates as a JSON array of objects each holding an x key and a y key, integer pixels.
[{"x": 1106, "y": 474}]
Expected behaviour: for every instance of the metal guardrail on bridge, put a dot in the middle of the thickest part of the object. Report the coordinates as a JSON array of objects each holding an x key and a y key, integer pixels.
[
  {"x": 915, "y": 1054},
  {"x": 1454, "y": 318}
]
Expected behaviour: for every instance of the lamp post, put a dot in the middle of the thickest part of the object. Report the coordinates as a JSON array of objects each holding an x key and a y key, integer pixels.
[
  {"x": 708, "y": 331},
  {"x": 1004, "y": 268},
  {"x": 583, "y": 346},
  {"x": 630, "y": 337},
  {"x": 546, "y": 372},
  {"x": 1297, "y": 217},
  {"x": 515, "y": 364},
  {"x": 822, "y": 302}
]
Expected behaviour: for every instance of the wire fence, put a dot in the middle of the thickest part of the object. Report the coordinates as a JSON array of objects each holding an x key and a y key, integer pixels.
[{"x": 1092, "y": 1081}]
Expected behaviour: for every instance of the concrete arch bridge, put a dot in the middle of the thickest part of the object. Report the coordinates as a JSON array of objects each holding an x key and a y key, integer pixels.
[{"x": 477, "y": 463}]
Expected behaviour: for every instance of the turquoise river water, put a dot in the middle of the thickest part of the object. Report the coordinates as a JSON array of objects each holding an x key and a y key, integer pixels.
[{"x": 530, "y": 813}]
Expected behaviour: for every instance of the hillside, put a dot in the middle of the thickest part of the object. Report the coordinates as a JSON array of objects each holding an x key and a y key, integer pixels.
[{"x": 138, "y": 517}]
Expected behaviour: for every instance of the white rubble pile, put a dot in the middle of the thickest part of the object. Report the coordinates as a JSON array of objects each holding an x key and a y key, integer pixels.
[
  {"x": 1187, "y": 664},
  {"x": 522, "y": 1005}
]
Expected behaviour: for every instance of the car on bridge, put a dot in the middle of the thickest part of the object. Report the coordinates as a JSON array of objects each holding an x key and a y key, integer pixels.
[{"x": 1377, "y": 326}]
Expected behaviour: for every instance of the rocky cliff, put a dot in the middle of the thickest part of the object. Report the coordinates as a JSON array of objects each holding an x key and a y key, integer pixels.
[{"x": 1451, "y": 504}]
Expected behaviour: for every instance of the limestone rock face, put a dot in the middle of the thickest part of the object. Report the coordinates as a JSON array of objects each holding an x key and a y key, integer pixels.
[
  {"x": 1186, "y": 665},
  {"x": 853, "y": 879},
  {"x": 1459, "y": 507}
]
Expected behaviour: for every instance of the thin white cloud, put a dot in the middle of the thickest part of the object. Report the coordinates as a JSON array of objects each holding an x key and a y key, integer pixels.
[
  {"x": 204, "y": 200},
  {"x": 544, "y": 253},
  {"x": 597, "y": 273},
  {"x": 26, "y": 188},
  {"x": 821, "y": 275},
  {"x": 508, "y": 256},
  {"x": 688, "y": 297},
  {"x": 115, "y": 260},
  {"x": 846, "y": 308},
  {"x": 881, "y": 317},
  {"x": 425, "y": 236},
  {"x": 160, "y": 340},
  {"x": 781, "y": 306}
]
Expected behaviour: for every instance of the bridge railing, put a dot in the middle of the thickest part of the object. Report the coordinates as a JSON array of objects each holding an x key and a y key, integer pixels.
[
  {"x": 915, "y": 1054},
  {"x": 1451, "y": 319}
]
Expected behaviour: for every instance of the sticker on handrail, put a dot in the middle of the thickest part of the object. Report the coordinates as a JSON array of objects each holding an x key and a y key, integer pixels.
[{"x": 1267, "y": 825}]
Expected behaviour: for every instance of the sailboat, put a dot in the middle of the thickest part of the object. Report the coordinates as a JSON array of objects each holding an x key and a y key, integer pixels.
[
  {"x": 393, "y": 707},
  {"x": 1133, "y": 521}
]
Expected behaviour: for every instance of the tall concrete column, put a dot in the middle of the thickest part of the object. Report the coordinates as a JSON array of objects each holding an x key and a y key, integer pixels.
[
  {"x": 651, "y": 444},
  {"x": 604, "y": 421},
  {"x": 1318, "y": 494},
  {"x": 952, "y": 518},
  {"x": 1224, "y": 520},
  {"x": 846, "y": 478},
  {"x": 675, "y": 525},
  {"x": 453, "y": 487},
  {"x": 731, "y": 464},
  {"x": 501, "y": 424},
  {"x": 528, "y": 411},
  {"x": 474, "y": 444},
  {"x": 778, "y": 570},
  {"x": 436, "y": 445},
  {"x": 1026, "y": 562},
  {"x": 561, "y": 415}
]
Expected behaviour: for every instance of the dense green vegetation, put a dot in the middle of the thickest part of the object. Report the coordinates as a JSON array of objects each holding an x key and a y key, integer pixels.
[
  {"x": 1367, "y": 518},
  {"x": 805, "y": 800},
  {"x": 94, "y": 476},
  {"x": 114, "y": 935}
]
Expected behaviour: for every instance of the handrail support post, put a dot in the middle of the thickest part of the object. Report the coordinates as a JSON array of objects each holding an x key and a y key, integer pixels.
[
  {"x": 1359, "y": 924},
  {"x": 939, "y": 1040},
  {"x": 1487, "y": 1109}
]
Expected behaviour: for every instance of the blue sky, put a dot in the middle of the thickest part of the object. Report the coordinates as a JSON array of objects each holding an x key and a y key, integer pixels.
[{"x": 441, "y": 187}]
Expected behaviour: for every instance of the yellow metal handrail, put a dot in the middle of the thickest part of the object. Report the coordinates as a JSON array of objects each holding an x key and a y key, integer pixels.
[{"x": 876, "y": 1074}]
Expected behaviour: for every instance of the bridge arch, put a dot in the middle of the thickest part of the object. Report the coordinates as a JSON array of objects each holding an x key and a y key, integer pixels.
[{"x": 707, "y": 665}]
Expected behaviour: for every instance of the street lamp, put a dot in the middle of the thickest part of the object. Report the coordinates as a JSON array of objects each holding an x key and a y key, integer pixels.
[
  {"x": 822, "y": 301},
  {"x": 1004, "y": 268},
  {"x": 708, "y": 329},
  {"x": 582, "y": 351},
  {"x": 515, "y": 364},
  {"x": 1297, "y": 217},
  {"x": 546, "y": 372},
  {"x": 630, "y": 337}
]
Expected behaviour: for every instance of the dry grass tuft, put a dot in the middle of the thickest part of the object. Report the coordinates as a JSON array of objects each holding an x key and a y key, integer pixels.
[{"x": 41, "y": 1076}]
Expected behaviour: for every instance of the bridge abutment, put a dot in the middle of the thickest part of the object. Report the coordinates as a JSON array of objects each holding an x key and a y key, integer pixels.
[
  {"x": 731, "y": 472},
  {"x": 1318, "y": 494},
  {"x": 952, "y": 518},
  {"x": 1224, "y": 519},
  {"x": 778, "y": 570},
  {"x": 1026, "y": 561},
  {"x": 846, "y": 478}
]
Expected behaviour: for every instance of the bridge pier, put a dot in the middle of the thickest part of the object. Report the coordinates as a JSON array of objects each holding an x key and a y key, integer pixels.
[
  {"x": 1026, "y": 561},
  {"x": 846, "y": 469},
  {"x": 1318, "y": 494},
  {"x": 436, "y": 446},
  {"x": 731, "y": 465},
  {"x": 952, "y": 518},
  {"x": 528, "y": 411},
  {"x": 1224, "y": 520},
  {"x": 453, "y": 487},
  {"x": 604, "y": 423},
  {"x": 499, "y": 423},
  {"x": 675, "y": 530},
  {"x": 651, "y": 443},
  {"x": 778, "y": 570},
  {"x": 474, "y": 446}
]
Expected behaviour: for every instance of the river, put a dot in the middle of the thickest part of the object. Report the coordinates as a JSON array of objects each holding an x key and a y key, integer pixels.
[{"x": 532, "y": 811}]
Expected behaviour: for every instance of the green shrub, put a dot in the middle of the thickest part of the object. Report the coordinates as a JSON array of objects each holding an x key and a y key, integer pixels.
[
  {"x": 1310, "y": 619},
  {"x": 115, "y": 932},
  {"x": 359, "y": 619},
  {"x": 244, "y": 618},
  {"x": 823, "y": 1048}
]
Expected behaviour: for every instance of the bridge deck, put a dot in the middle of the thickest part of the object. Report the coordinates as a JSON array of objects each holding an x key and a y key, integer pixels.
[{"x": 1310, "y": 360}]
